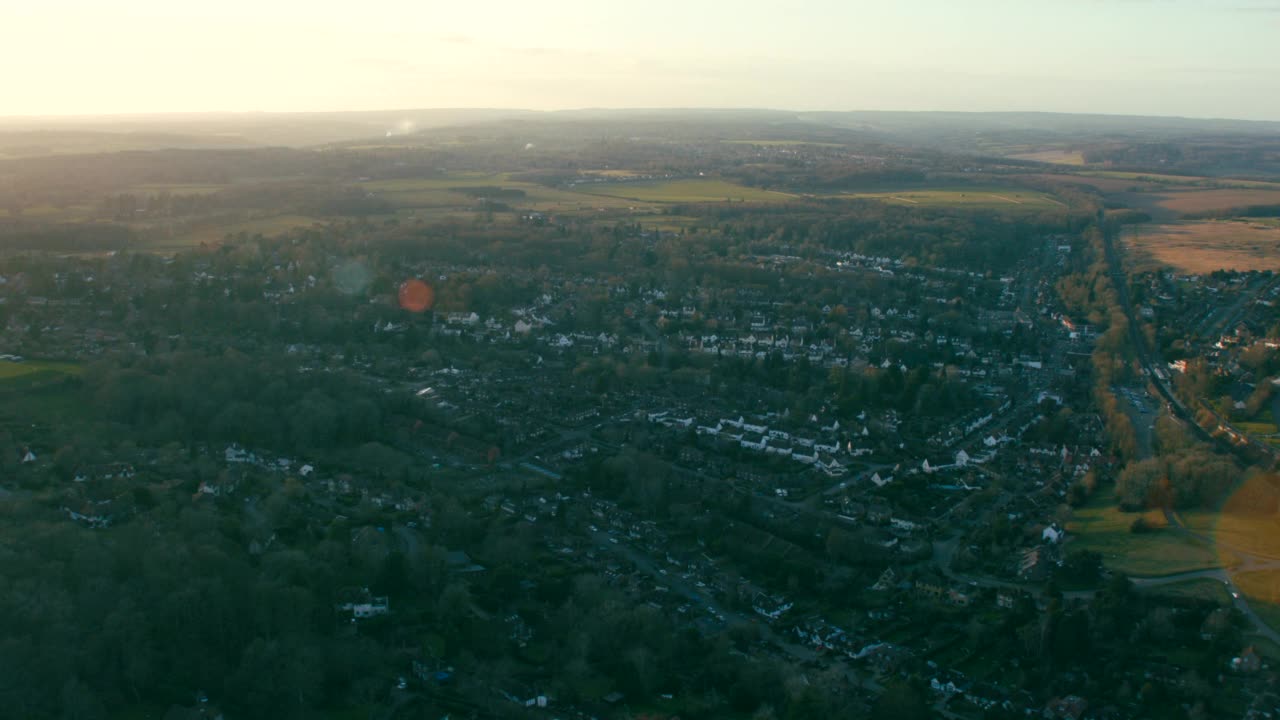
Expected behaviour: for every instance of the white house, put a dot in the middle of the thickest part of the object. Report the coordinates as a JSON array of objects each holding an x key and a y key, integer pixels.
[{"x": 1053, "y": 534}]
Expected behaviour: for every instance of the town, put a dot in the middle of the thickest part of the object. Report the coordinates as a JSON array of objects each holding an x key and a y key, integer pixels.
[{"x": 797, "y": 457}]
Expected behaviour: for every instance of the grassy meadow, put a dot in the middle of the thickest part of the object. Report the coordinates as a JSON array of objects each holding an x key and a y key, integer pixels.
[
  {"x": 1205, "y": 246},
  {"x": 1101, "y": 527}
]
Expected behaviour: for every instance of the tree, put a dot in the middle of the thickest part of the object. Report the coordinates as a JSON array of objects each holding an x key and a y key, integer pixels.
[{"x": 900, "y": 701}]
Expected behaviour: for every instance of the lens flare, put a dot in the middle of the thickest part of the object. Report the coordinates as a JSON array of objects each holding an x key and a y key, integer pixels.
[
  {"x": 352, "y": 277},
  {"x": 416, "y": 296}
]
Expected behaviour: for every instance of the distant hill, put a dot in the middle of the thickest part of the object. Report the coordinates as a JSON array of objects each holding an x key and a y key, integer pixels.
[{"x": 982, "y": 133}]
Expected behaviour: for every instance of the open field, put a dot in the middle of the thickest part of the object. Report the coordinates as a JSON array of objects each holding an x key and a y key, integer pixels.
[
  {"x": 1162, "y": 204},
  {"x": 1101, "y": 527},
  {"x": 684, "y": 191},
  {"x": 1199, "y": 589},
  {"x": 1202, "y": 247},
  {"x": 1057, "y": 157},
  {"x": 1002, "y": 198},
  {"x": 1184, "y": 180},
  {"x": 13, "y": 370},
  {"x": 72, "y": 213},
  {"x": 1255, "y": 534},
  {"x": 176, "y": 189},
  {"x": 215, "y": 234},
  {"x": 450, "y": 193}
]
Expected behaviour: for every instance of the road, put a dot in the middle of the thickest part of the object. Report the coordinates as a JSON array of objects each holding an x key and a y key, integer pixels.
[
  {"x": 702, "y": 597},
  {"x": 1151, "y": 362}
]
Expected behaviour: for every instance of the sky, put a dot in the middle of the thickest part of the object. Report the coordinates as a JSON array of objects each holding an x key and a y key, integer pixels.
[{"x": 1194, "y": 58}]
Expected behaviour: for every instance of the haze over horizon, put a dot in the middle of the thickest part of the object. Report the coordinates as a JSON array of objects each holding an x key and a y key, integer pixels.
[{"x": 1190, "y": 58}]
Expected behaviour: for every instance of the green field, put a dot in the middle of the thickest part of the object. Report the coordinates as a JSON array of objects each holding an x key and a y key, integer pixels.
[
  {"x": 1258, "y": 428},
  {"x": 684, "y": 191},
  {"x": 1001, "y": 198},
  {"x": 1191, "y": 180},
  {"x": 176, "y": 189},
  {"x": 443, "y": 193},
  {"x": 1199, "y": 589},
  {"x": 1101, "y": 527},
  {"x": 1245, "y": 533},
  {"x": 217, "y": 233},
  {"x": 71, "y": 213},
  {"x": 14, "y": 370}
]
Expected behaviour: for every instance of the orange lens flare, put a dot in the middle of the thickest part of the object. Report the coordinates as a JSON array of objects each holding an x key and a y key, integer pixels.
[{"x": 416, "y": 296}]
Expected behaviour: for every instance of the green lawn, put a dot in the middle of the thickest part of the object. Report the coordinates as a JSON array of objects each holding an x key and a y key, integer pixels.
[
  {"x": 684, "y": 191},
  {"x": 1102, "y": 528},
  {"x": 1000, "y": 198},
  {"x": 1258, "y": 428}
]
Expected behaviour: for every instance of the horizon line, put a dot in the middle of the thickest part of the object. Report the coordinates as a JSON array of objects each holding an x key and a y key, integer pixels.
[{"x": 178, "y": 114}]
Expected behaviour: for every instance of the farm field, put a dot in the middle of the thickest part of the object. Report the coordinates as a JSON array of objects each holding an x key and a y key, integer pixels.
[
  {"x": 73, "y": 213},
  {"x": 1057, "y": 157},
  {"x": 1186, "y": 180},
  {"x": 1101, "y": 184},
  {"x": 684, "y": 191},
  {"x": 1202, "y": 247},
  {"x": 177, "y": 189},
  {"x": 1191, "y": 200},
  {"x": 216, "y": 233},
  {"x": 1003, "y": 198},
  {"x": 450, "y": 193},
  {"x": 1101, "y": 527}
]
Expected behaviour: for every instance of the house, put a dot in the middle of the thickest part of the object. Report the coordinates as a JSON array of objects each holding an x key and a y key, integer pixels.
[
  {"x": 1031, "y": 565},
  {"x": 886, "y": 581},
  {"x": 459, "y": 561},
  {"x": 1053, "y": 534},
  {"x": 1247, "y": 662},
  {"x": 1071, "y": 707},
  {"x": 929, "y": 589},
  {"x": 28, "y": 456},
  {"x": 903, "y": 524},
  {"x": 878, "y": 513},
  {"x": 363, "y": 604}
]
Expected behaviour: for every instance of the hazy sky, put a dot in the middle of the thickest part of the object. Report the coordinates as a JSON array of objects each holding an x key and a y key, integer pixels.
[{"x": 1201, "y": 58}]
